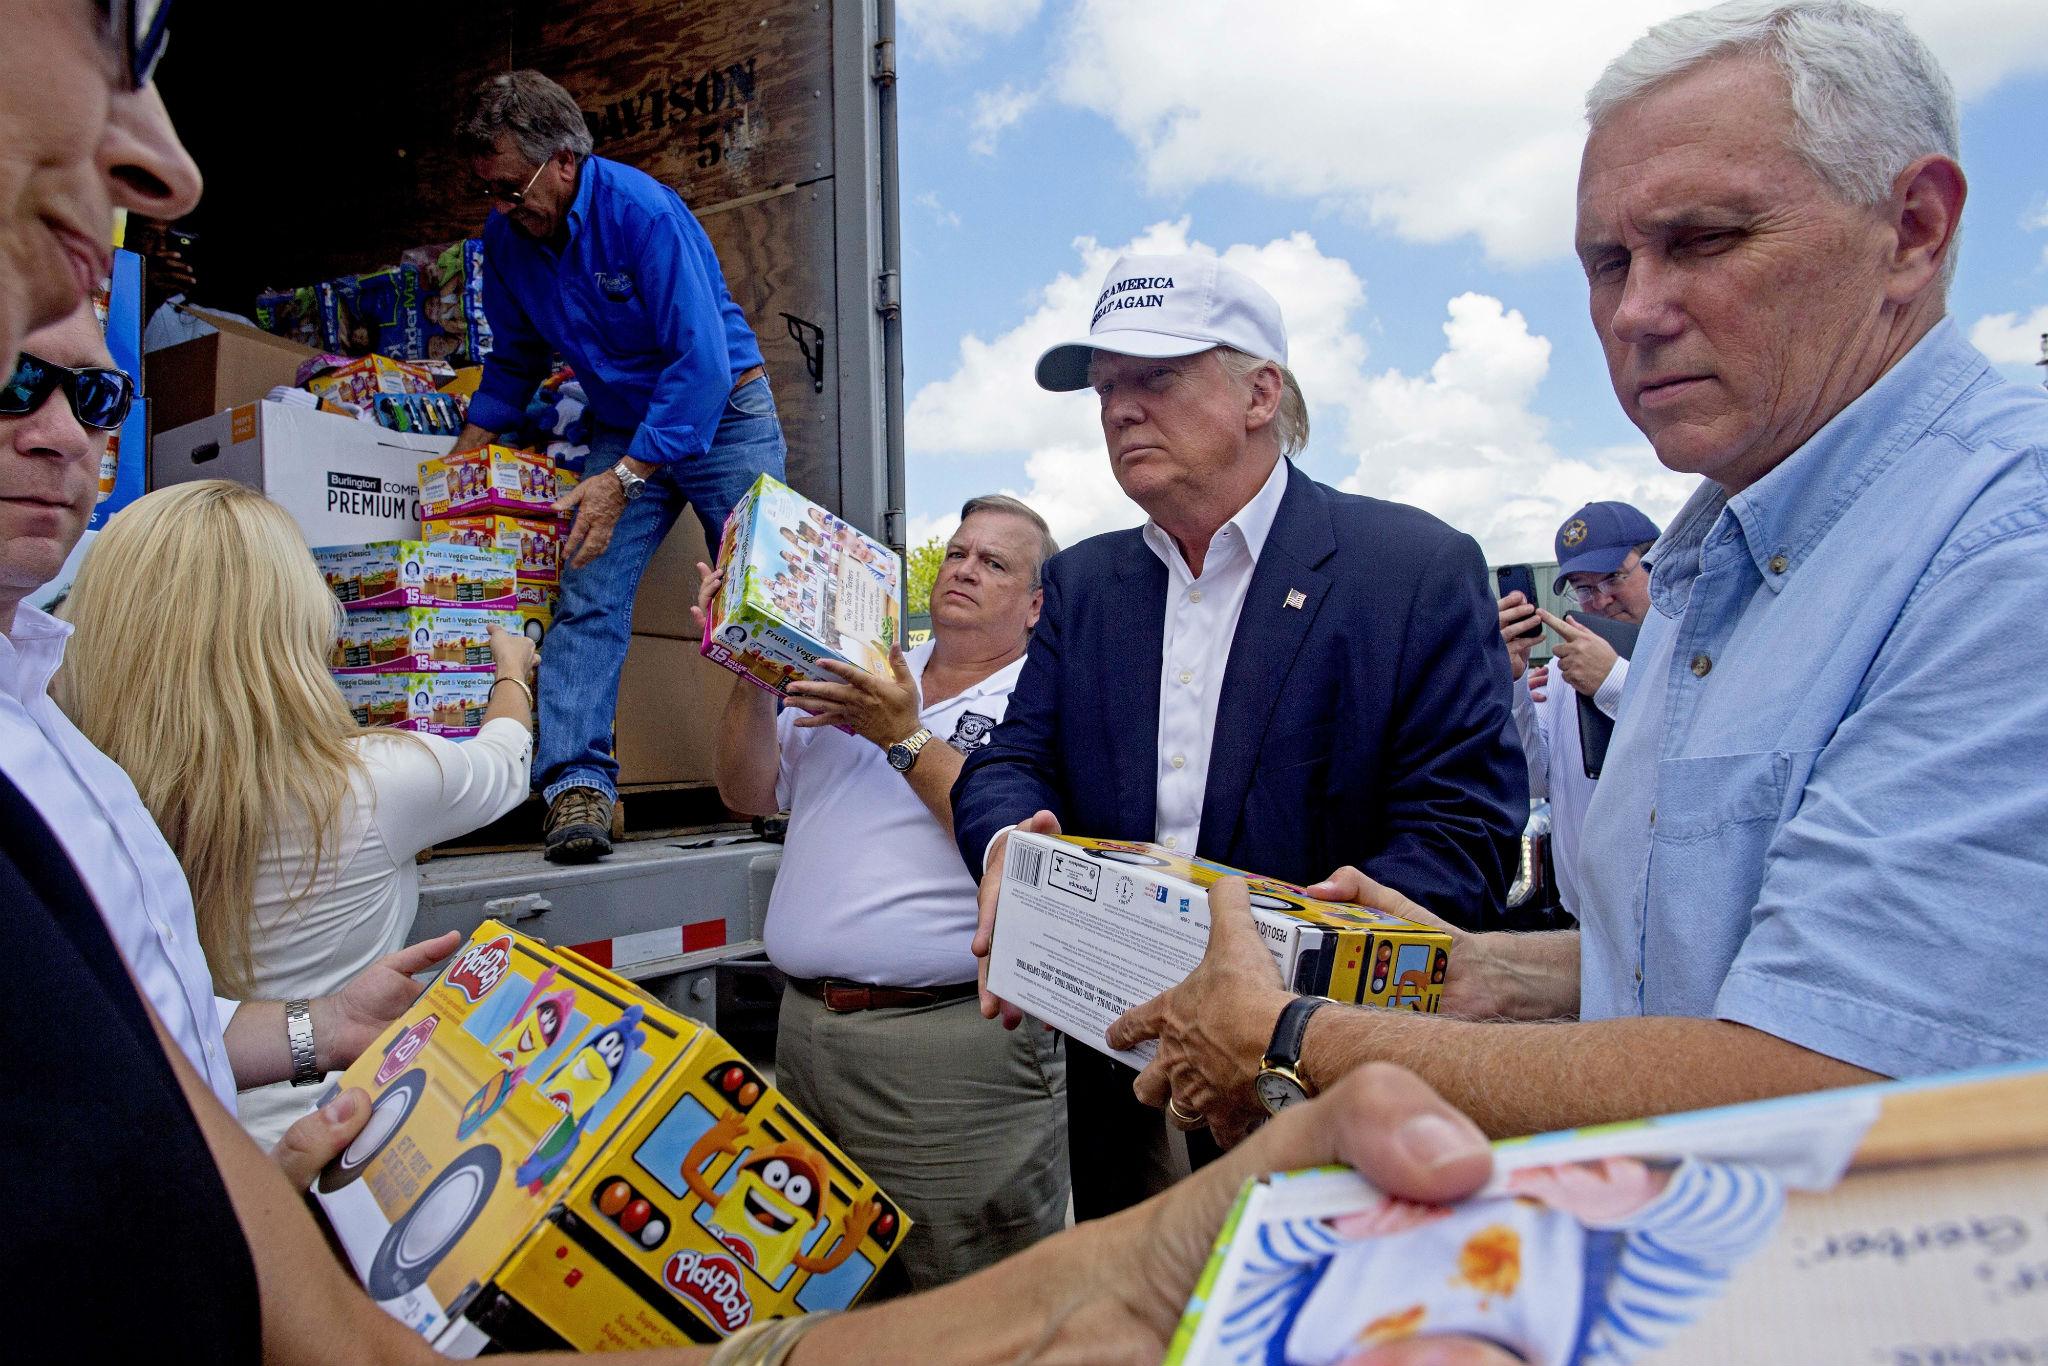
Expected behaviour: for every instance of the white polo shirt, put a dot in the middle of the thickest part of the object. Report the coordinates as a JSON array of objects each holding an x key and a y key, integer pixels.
[
  {"x": 871, "y": 889},
  {"x": 120, "y": 855}
]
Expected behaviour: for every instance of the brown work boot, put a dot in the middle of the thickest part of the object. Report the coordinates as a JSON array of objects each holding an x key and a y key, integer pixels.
[{"x": 579, "y": 826}]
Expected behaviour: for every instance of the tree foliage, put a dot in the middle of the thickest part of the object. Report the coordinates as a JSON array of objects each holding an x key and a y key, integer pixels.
[{"x": 921, "y": 566}]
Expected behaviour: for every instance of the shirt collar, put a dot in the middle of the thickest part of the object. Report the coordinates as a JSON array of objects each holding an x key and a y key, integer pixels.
[
  {"x": 579, "y": 207},
  {"x": 31, "y": 652},
  {"x": 1254, "y": 521},
  {"x": 1784, "y": 515},
  {"x": 1002, "y": 680}
]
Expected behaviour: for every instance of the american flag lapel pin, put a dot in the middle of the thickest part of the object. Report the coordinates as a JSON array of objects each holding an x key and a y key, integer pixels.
[{"x": 1296, "y": 598}]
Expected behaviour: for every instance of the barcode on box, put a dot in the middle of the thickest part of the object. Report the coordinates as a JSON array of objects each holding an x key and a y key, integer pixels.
[{"x": 1024, "y": 863}]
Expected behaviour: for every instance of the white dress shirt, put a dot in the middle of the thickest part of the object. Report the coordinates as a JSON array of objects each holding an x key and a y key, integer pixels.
[
  {"x": 1201, "y": 622},
  {"x": 871, "y": 888},
  {"x": 1549, "y": 732},
  {"x": 119, "y": 854}
]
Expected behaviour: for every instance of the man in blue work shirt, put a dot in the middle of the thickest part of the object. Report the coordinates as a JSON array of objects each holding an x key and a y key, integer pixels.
[
  {"x": 600, "y": 263},
  {"x": 1815, "y": 854}
]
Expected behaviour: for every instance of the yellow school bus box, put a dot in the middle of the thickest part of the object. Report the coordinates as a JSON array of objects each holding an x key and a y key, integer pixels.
[{"x": 554, "y": 1159}]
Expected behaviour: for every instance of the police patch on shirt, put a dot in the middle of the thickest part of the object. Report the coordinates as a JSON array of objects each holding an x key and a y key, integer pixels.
[
  {"x": 616, "y": 284},
  {"x": 972, "y": 731}
]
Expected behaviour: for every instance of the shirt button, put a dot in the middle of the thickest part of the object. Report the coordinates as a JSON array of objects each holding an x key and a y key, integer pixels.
[
  {"x": 1653, "y": 818},
  {"x": 1187, "y": 675},
  {"x": 1639, "y": 974},
  {"x": 1701, "y": 666},
  {"x": 1180, "y": 761},
  {"x": 1173, "y": 841},
  {"x": 1194, "y": 595},
  {"x": 1778, "y": 563}
]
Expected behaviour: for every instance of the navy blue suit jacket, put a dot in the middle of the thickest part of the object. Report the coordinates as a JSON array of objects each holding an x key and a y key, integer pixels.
[{"x": 1367, "y": 726}]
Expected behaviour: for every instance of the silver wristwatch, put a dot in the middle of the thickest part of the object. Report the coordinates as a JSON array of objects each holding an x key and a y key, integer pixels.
[
  {"x": 632, "y": 483},
  {"x": 298, "y": 1028}
]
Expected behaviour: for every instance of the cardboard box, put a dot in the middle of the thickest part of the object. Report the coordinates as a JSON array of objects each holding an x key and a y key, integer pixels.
[
  {"x": 1087, "y": 928},
  {"x": 1895, "y": 1224},
  {"x": 669, "y": 585},
  {"x": 417, "y": 640},
  {"x": 535, "y": 542},
  {"x": 449, "y": 704},
  {"x": 418, "y": 574},
  {"x": 492, "y": 479},
  {"x": 556, "y": 1159},
  {"x": 801, "y": 586},
  {"x": 671, "y": 702},
  {"x": 343, "y": 481},
  {"x": 536, "y": 607},
  {"x": 237, "y": 364}
]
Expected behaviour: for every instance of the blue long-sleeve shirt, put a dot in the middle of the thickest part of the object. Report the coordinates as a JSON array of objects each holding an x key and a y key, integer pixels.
[{"x": 634, "y": 301}]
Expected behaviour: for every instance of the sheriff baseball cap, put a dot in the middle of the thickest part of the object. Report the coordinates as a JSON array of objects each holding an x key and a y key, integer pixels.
[
  {"x": 1162, "y": 306},
  {"x": 1597, "y": 538}
]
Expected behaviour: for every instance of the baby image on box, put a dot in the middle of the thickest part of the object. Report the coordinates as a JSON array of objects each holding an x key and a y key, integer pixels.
[{"x": 1582, "y": 1262}]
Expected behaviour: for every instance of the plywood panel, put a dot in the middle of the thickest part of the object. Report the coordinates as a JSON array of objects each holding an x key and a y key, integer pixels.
[
  {"x": 777, "y": 255},
  {"x": 718, "y": 100}
]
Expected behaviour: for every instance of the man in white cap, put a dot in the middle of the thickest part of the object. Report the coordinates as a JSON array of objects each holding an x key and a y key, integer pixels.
[{"x": 1269, "y": 673}]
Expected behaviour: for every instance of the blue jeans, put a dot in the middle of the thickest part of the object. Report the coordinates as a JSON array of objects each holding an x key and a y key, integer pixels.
[{"x": 586, "y": 645}]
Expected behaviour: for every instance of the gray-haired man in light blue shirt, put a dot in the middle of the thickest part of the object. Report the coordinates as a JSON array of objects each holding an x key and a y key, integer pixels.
[{"x": 1819, "y": 848}]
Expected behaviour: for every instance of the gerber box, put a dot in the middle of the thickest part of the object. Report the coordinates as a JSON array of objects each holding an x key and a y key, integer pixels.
[
  {"x": 447, "y": 704},
  {"x": 556, "y": 1160},
  {"x": 492, "y": 479},
  {"x": 417, "y": 574},
  {"x": 801, "y": 586},
  {"x": 416, "y": 640},
  {"x": 1087, "y": 928}
]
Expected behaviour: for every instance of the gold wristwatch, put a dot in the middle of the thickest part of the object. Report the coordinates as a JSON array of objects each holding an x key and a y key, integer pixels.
[{"x": 904, "y": 752}]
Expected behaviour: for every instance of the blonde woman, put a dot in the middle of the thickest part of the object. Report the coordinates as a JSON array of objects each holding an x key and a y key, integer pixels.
[{"x": 199, "y": 665}]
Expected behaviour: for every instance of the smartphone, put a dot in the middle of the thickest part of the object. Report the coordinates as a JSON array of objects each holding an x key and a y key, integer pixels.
[{"x": 1520, "y": 578}]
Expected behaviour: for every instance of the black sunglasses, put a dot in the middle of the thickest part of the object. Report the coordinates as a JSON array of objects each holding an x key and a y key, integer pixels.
[
  {"x": 100, "y": 397},
  {"x": 141, "y": 28}
]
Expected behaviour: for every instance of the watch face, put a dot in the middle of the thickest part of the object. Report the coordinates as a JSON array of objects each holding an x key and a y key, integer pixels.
[
  {"x": 1277, "y": 1091},
  {"x": 901, "y": 757}
]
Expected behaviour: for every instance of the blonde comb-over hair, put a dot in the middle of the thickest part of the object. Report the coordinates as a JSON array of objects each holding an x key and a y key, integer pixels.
[{"x": 199, "y": 665}]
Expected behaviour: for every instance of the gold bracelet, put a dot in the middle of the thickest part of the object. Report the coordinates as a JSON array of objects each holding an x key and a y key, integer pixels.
[
  {"x": 766, "y": 1344},
  {"x": 531, "y": 706}
]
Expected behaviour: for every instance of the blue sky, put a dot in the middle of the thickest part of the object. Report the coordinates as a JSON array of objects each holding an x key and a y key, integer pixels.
[{"x": 1399, "y": 175}]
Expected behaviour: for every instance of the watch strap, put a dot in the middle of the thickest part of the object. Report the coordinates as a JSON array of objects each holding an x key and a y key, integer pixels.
[
  {"x": 1292, "y": 1028},
  {"x": 298, "y": 1031}
]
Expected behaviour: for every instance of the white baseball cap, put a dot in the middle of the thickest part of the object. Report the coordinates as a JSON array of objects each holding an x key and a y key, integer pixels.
[{"x": 1160, "y": 306}]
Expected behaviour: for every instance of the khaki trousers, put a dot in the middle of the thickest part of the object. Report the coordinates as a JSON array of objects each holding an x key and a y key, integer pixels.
[{"x": 962, "y": 1122}]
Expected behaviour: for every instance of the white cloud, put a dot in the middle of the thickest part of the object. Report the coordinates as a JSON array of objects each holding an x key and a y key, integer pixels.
[
  {"x": 1461, "y": 440},
  {"x": 1437, "y": 121},
  {"x": 943, "y": 216},
  {"x": 947, "y": 29},
  {"x": 2009, "y": 339},
  {"x": 995, "y": 110}
]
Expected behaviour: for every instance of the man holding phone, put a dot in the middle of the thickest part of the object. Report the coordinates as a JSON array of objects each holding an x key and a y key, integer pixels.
[{"x": 1600, "y": 557}]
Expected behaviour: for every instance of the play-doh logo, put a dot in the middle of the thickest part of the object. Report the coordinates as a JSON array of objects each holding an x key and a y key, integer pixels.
[
  {"x": 480, "y": 967},
  {"x": 711, "y": 1281},
  {"x": 405, "y": 1048}
]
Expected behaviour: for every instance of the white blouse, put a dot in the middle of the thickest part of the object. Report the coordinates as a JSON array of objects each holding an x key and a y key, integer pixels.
[{"x": 412, "y": 793}]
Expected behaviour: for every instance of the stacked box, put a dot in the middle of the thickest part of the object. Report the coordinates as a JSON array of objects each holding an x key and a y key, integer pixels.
[
  {"x": 1086, "y": 929},
  {"x": 557, "y": 1160},
  {"x": 419, "y": 574},
  {"x": 491, "y": 479},
  {"x": 534, "y": 542},
  {"x": 536, "y": 608},
  {"x": 801, "y": 586},
  {"x": 358, "y": 382},
  {"x": 417, "y": 640},
  {"x": 450, "y": 704}
]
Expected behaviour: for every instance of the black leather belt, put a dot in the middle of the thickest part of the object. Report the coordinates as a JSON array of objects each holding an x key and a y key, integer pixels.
[{"x": 843, "y": 998}]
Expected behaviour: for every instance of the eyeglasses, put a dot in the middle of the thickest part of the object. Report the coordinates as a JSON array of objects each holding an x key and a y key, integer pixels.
[
  {"x": 141, "y": 28},
  {"x": 100, "y": 397},
  {"x": 494, "y": 195},
  {"x": 1601, "y": 588}
]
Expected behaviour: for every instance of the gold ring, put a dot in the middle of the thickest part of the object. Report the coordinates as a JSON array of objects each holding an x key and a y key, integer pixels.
[{"x": 1182, "y": 1117}]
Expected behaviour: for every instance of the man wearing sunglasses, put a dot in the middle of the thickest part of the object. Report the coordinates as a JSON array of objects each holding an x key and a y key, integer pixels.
[{"x": 601, "y": 264}]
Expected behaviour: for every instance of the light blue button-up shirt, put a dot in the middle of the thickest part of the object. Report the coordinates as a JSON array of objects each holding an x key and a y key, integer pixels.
[{"x": 1824, "y": 813}]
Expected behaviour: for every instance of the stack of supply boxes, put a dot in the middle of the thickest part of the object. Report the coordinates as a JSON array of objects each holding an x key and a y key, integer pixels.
[
  {"x": 414, "y": 648},
  {"x": 502, "y": 499}
]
